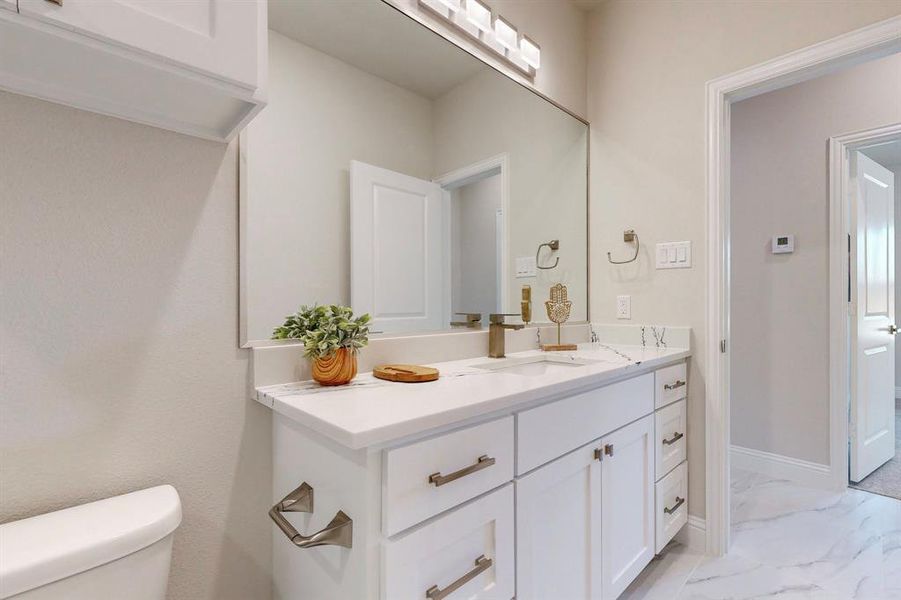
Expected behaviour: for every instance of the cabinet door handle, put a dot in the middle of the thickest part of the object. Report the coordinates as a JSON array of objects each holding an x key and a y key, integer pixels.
[
  {"x": 674, "y": 386},
  {"x": 57, "y": 2},
  {"x": 676, "y": 437},
  {"x": 608, "y": 449},
  {"x": 436, "y": 593},
  {"x": 339, "y": 531},
  {"x": 483, "y": 462},
  {"x": 675, "y": 507}
]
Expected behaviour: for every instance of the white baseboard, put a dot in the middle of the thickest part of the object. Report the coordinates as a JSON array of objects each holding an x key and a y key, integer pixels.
[
  {"x": 783, "y": 467},
  {"x": 694, "y": 534}
]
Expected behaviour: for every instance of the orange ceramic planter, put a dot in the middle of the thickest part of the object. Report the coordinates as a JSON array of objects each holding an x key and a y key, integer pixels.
[{"x": 336, "y": 369}]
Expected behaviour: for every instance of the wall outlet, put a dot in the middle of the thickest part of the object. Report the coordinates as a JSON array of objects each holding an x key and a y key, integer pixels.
[
  {"x": 624, "y": 307},
  {"x": 526, "y": 267}
]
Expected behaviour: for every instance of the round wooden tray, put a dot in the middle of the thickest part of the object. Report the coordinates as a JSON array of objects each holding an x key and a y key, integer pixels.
[{"x": 405, "y": 373}]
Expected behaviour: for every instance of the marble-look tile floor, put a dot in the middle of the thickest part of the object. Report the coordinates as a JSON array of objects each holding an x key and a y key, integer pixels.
[{"x": 789, "y": 543}]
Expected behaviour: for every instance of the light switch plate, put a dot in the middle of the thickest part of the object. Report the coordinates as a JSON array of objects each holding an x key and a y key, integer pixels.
[
  {"x": 526, "y": 267},
  {"x": 673, "y": 255},
  {"x": 624, "y": 307}
]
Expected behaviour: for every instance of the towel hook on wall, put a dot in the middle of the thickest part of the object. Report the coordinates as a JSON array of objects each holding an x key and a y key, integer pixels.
[
  {"x": 553, "y": 245},
  {"x": 629, "y": 236}
]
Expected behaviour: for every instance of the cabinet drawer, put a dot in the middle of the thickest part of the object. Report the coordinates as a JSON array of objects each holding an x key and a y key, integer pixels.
[
  {"x": 672, "y": 505},
  {"x": 431, "y": 476},
  {"x": 467, "y": 553},
  {"x": 671, "y": 384},
  {"x": 670, "y": 433},
  {"x": 549, "y": 431}
]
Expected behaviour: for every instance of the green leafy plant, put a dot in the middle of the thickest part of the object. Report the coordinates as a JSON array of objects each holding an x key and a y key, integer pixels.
[{"x": 325, "y": 329}]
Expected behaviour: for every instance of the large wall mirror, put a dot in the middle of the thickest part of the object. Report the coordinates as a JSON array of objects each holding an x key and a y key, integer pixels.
[{"x": 394, "y": 172}]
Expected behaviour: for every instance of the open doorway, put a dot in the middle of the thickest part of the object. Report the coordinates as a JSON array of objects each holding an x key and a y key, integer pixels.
[
  {"x": 785, "y": 235},
  {"x": 874, "y": 202}
]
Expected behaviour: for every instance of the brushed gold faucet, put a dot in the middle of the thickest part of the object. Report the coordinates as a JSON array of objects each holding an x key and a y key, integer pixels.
[{"x": 497, "y": 335}]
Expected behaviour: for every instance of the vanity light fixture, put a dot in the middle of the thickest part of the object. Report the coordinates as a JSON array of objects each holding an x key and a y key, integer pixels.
[
  {"x": 506, "y": 34},
  {"x": 493, "y": 32},
  {"x": 530, "y": 51},
  {"x": 478, "y": 14},
  {"x": 445, "y": 8}
]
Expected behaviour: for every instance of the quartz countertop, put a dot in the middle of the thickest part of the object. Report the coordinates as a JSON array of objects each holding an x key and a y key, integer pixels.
[{"x": 373, "y": 412}]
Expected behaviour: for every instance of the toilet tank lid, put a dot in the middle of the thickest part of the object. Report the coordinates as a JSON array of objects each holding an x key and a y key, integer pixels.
[{"x": 49, "y": 547}]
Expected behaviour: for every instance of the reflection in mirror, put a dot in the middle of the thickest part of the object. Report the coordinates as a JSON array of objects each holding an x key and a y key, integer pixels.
[{"x": 394, "y": 172}]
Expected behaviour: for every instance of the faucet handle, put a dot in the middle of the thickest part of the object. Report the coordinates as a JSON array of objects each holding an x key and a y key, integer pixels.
[{"x": 498, "y": 318}]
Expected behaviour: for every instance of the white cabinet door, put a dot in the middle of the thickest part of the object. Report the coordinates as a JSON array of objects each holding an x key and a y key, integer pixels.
[
  {"x": 214, "y": 37},
  {"x": 627, "y": 489},
  {"x": 8, "y": 4},
  {"x": 558, "y": 529}
]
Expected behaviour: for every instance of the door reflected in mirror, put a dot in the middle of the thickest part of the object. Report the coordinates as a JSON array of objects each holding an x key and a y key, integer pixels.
[{"x": 405, "y": 178}]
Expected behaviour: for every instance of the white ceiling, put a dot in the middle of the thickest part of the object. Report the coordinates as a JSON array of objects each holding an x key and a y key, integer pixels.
[
  {"x": 378, "y": 39},
  {"x": 888, "y": 154}
]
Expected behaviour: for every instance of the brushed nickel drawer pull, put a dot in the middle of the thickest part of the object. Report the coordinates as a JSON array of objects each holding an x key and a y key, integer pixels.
[
  {"x": 339, "y": 531},
  {"x": 57, "y": 2},
  {"x": 674, "y": 386},
  {"x": 679, "y": 502},
  {"x": 436, "y": 593},
  {"x": 483, "y": 462},
  {"x": 676, "y": 437}
]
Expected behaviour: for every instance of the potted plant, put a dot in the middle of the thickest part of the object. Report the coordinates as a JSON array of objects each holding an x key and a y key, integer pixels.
[{"x": 331, "y": 339}]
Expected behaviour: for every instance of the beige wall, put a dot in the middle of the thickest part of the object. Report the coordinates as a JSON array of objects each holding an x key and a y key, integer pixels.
[
  {"x": 322, "y": 114},
  {"x": 558, "y": 26},
  {"x": 780, "y": 302},
  {"x": 120, "y": 367},
  {"x": 648, "y": 64},
  {"x": 489, "y": 115}
]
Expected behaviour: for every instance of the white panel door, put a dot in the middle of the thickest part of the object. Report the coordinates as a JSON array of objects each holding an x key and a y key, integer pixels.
[
  {"x": 627, "y": 499},
  {"x": 216, "y": 37},
  {"x": 558, "y": 529},
  {"x": 396, "y": 248},
  {"x": 873, "y": 320}
]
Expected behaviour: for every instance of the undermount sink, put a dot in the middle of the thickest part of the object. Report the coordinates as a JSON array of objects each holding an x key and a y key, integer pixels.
[{"x": 534, "y": 365}]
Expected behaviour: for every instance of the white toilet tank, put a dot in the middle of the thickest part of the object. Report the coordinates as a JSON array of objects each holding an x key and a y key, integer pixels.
[{"x": 114, "y": 548}]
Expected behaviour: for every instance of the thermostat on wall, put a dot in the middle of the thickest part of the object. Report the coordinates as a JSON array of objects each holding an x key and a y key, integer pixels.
[{"x": 783, "y": 244}]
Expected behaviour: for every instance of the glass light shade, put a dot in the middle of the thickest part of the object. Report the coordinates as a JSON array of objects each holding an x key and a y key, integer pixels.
[
  {"x": 451, "y": 4},
  {"x": 530, "y": 51},
  {"x": 478, "y": 14},
  {"x": 506, "y": 34}
]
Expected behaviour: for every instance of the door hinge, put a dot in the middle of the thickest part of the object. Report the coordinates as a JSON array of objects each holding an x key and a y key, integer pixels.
[{"x": 723, "y": 346}]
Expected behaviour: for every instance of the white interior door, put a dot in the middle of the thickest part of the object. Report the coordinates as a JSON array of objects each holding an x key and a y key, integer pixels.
[
  {"x": 873, "y": 319},
  {"x": 396, "y": 265}
]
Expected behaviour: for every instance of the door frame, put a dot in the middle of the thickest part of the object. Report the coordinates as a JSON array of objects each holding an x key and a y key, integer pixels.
[
  {"x": 874, "y": 41},
  {"x": 462, "y": 176},
  {"x": 840, "y": 315}
]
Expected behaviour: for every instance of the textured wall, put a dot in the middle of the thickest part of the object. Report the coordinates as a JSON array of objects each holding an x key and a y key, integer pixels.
[
  {"x": 119, "y": 366},
  {"x": 648, "y": 65}
]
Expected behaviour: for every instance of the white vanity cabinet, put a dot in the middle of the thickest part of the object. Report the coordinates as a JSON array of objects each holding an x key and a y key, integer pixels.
[
  {"x": 559, "y": 499},
  {"x": 196, "y": 67},
  {"x": 8, "y": 5}
]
